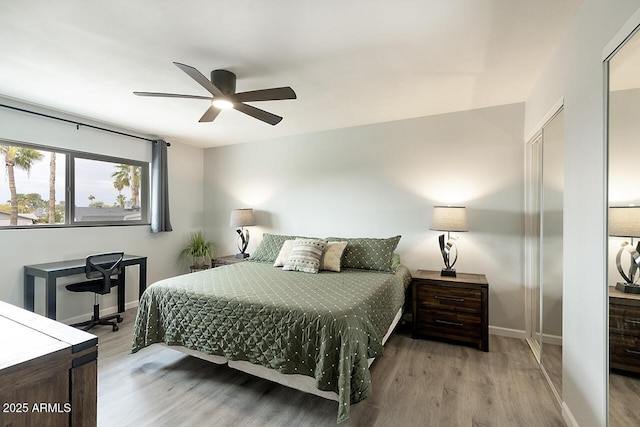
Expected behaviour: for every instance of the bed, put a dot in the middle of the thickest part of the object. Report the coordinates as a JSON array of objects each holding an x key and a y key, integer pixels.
[{"x": 315, "y": 332}]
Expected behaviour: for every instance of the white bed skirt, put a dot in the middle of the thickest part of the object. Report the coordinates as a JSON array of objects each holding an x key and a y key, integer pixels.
[{"x": 297, "y": 381}]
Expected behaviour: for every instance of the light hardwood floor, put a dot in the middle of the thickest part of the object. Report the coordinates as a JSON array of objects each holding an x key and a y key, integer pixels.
[
  {"x": 552, "y": 362},
  {"x": 415, "y": 383},
  {"x": 624, "y": 392}
]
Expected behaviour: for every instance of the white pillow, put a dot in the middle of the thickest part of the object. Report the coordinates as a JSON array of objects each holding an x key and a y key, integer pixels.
[
  {"x": 305, "y": 255},
  {"x": 332, "y": 256},
  {"x": 283, "y": 256}
]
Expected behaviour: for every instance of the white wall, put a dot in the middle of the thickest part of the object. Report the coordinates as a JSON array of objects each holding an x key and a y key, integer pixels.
[
  {"x": 31, "y": 246},
  {"x": 576, "y": 73},
  {"x": 381, "y": 180}
]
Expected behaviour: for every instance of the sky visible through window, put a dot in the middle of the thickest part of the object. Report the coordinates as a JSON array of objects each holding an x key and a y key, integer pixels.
[{"x": 92, "y": 178}]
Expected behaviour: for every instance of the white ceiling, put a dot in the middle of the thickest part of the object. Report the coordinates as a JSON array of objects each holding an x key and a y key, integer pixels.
[{"x": 351, "y": 62}]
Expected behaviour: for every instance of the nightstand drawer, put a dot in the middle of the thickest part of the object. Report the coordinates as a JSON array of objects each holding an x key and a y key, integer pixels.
[
  {"x": 627, "y": 326},
  {"x": 454, "y": 299},
  {"x": 450, "y": 323},
  {"x": 624, "y": 352},
  {"x": 624, "y": 320}
]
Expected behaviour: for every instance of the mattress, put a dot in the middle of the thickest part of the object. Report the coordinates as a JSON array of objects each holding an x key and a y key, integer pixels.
[{"x": 325, "y": 326}]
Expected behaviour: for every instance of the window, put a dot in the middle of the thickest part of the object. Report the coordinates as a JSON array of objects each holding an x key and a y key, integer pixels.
[{"x": 45, "y": 187}]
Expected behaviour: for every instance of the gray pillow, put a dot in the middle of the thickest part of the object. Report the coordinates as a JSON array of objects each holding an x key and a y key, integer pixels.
[
  {"x": 269, "y": 248},
  {"x": 368, "y": 253}
]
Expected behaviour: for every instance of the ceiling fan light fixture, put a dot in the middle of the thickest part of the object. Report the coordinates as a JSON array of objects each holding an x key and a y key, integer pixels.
[
  {"x": 222, "y": 88},
  {"x": 222, "y": 104}
]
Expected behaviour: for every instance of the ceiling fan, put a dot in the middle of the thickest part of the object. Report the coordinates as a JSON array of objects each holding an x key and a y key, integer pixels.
[{"x": 222, "y": 88}]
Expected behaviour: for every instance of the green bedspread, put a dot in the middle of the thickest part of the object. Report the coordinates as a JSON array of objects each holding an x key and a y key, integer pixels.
[{"x": 322, "y": 325}]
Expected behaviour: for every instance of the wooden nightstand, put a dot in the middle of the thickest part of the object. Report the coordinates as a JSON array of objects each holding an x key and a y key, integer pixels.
[
  {"x": 194, "y": 268},
  {"x": 451, "y": 308},
  {"x": 226, "y": 260},
  {"x": 624, "y": 331}
]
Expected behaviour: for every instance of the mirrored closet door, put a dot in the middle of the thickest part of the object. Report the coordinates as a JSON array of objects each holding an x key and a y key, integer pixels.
[
  {"x": 624, "y": 229},
  {"x": 544, "y": 196}
]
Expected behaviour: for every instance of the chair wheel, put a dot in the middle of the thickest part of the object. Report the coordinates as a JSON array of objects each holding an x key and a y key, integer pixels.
[
  {"x": 119, "y": 319},
  {"x": 115, "y": 328}
]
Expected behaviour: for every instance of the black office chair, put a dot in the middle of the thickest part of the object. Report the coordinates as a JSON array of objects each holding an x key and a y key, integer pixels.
[{"x": 100, "y": 268}]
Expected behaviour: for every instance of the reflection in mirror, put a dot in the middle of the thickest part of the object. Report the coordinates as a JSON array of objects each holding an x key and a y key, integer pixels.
[
  {"x": 551, "y": 261},
  {"x": 544, "y": 204},
  {"x": 624, "y": 194},
  {"x": 533, "y": 248}
]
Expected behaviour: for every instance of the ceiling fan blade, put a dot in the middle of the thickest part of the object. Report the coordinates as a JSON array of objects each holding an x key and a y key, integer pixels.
[
  {"x": 171, "y": 95},
  {"x": 209, "y": 115},
  {"x": 273, "y": 94},
  {"x": 200, "y": 78},
  {"x": 257, "y": 113}
]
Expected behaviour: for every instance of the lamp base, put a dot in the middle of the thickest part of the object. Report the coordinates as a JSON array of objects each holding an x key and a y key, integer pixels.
[
  {"x": 242, "y": 255},
  {"x": 628, "y": 288},
  {"x": 448, "y": 272}
]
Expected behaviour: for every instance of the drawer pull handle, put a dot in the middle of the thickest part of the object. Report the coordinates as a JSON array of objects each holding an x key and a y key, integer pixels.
[
  {"x": 449, "y": 298},
  {"x": 446, "y": 322},
  {"x": 634, "y": 322},
  {"x": 637, "y": 353}
]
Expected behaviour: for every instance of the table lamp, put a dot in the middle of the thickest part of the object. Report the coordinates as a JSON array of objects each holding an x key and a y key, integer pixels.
[
  {"x": 242, "y": 218},
  {"x": 624, "y": 221},
  {"x": 449, "y": 218}
]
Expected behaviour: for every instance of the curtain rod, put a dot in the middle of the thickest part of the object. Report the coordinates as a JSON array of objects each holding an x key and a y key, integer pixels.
[{"x": 78, "y": 124}]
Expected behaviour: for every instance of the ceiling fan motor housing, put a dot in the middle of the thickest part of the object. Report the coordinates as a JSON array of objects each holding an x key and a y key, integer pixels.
[{"x": 224, "y": 80}]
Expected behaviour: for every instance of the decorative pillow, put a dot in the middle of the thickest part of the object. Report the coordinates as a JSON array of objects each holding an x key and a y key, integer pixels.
[
  {"x": 368, "y": 254},
  {"x": 285, "y": 251},
  {"x": 395, "y": 262},
  {"x": 332, "y": 256},
  {"x": 269, "y": 248},
  {"x": 305, "y": 255}
]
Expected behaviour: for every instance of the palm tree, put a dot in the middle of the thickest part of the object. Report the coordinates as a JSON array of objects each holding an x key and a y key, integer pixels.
[
  {"x": 52, "y": 189},
  {"x": 23, "y": 158},
  {"x": 120, "y": 200},
  {"x": 119, "y": 185},
  {"x": 128, "y": 176},
  {"x": 134, "y": 171}
]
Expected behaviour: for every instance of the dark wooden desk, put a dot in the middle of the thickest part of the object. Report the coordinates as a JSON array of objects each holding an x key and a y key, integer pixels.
[{"x": 50, "y": 271}]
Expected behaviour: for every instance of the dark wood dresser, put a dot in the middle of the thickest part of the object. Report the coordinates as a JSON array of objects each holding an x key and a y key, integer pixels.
[
  {"x": 451, "y": 308},
  {"x": 48, "y": 371},
  {"x": 624, "y": 331}
]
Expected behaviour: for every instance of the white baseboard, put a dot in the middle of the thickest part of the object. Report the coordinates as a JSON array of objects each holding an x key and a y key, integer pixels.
[
  {"x": 103, "y": 312},
  {"x": 551, "y": 339},
  {"x": 132, "y": 304},
  {"x": 568, "y": 416},
  {"x": 507, "y": 332},
  {"x": 517, "y": 333}
]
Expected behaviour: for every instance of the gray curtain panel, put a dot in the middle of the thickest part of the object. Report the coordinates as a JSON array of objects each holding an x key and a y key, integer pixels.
[{"x": 160, "y": 220}]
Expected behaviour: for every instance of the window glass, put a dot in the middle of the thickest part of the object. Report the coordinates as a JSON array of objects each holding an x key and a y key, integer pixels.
[
  {"x": 43, "y": 186},
  {"x": 107, "y": 191},
  {"x": 32, "y": 186}
]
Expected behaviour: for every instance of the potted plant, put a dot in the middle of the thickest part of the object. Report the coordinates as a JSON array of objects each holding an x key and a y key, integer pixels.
[{"x": 199, "y": 250}]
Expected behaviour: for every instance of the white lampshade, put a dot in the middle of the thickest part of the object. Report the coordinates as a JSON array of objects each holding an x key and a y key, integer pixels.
[
  {"x": 624, "y": 221},
  {"x": 449, "y": 218},
  {"x": 242, "y": 218}
]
